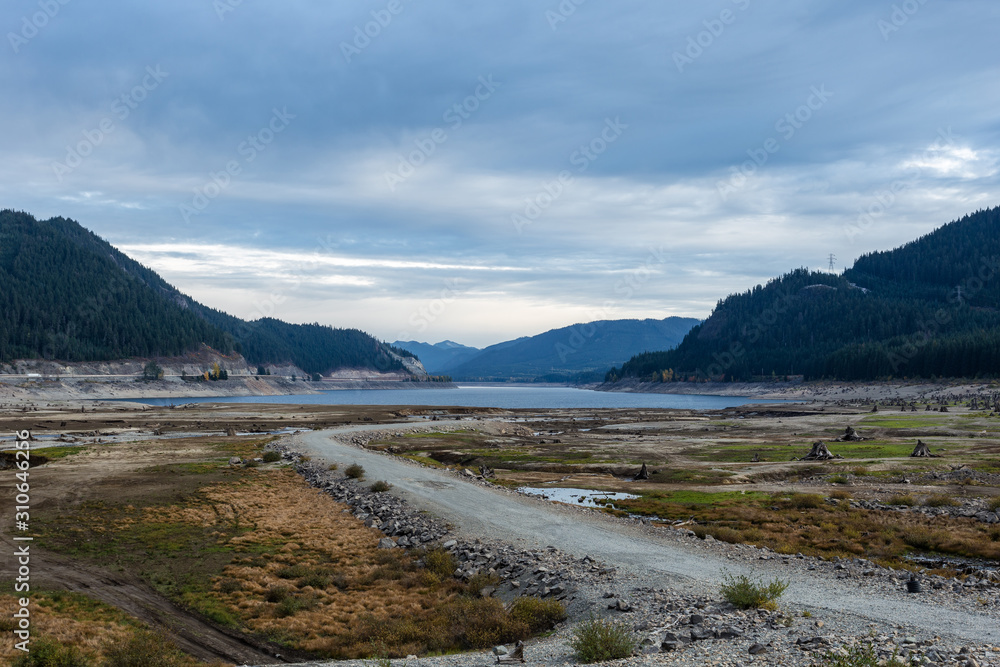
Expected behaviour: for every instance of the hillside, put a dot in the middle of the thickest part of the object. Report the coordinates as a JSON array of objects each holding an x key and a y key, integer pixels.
[
  {"x": 67, "y": 294},
  {"x": 571, "y": 353},
  {"x": 438, "y": 358},
  {"x": 926, "y": 309}
]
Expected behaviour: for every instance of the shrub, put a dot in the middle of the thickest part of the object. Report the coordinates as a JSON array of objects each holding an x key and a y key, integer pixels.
[
  {"x": 440, "y": 562},
  {"x": 596, "y": 640},
  {"x": 293, "y": 571},
  {"x": 271, "y": 456},
  {"x": 745, "y": 593},
  {"x": 46, "y": 652},
  {"x": 277, "y": 593},
  {"x": 229, "y": 585},
  {"x": 803, "y": 501},
  {"x": 332, "y": 466},
  {"x": 380, "y": 486},
  {"x": 994, "y": 504},
  {"x": 838, "y": 479},
  {"x": 841, "y": 494},
  {"x": 902, "y": 499},
  {"x": 538, "y": 615},
  {"x": 483, "y": 622},
  {"x": 355, "y": 471},
  {"x": 143, "y": 649},
  {"x": 315, "y": 580},
  {"x": 939, "y": 500}
]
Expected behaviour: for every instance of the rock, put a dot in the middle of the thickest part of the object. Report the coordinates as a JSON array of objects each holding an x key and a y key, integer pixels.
[
  {"x": 499, "y": 650},
  {"x": 449, "y": 544},
  {"x": 696, "y": 619},
  {"x": 235, "y": 461},
  {"x": 386, "y": 543},
  {"x": 728, "y": 632},
  {"x": 620, "y": 605},
  {"x": 757, "y": 649},
  {"x": 699, "y": 633}
]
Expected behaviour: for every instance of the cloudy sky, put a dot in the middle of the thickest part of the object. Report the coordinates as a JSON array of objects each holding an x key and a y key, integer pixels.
[{"x": 432, "y": 169}]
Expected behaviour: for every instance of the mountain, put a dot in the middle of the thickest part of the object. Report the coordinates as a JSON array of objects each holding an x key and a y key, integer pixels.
[
  {"x": 438, "y": 358},
  {"x": 67, "y": 294},
  {"x": 925, "y": 309},
  {"x": 578, "y": 352}
]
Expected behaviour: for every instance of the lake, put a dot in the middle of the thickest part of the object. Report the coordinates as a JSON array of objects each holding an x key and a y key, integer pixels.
[{"x": 479, "y": 396}]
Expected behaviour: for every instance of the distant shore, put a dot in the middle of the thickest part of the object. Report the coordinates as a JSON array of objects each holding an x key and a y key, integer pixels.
[{"x": 825, "y": 391}]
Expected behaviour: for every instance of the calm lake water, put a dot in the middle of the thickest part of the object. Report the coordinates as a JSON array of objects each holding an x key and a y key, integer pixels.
[{"x": 478, "y": 396}]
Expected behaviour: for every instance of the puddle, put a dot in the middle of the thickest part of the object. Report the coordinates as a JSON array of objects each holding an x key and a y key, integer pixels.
[{"x": 578, "y": 497}]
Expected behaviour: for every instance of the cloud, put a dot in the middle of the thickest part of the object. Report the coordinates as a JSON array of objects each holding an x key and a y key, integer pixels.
[{"x": 314, "y": 207}]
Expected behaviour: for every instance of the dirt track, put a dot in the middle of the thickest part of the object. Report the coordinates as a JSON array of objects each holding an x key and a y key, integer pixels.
[{"x": 482, "y": 512}]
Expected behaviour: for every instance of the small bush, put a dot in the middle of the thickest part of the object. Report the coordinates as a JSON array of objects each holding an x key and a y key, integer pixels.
[
  {"x": 838, "y": 479},
  {"x": 745, "y": 593},
  {"x": 803, "y": 501},
  {"x": 538, "y": 615},
  {"x": 355, "y": 471},
  {"x": 902, "y": 499},
  {"x": 332, "y": 466},
  {"x": 994, "y": 504},
  {"x": 841, "y": 494},
  {"x": 143, "y": 649},
  {"x": 483, "y": 622},
  {"x": 46, "y": 652},
  {"x": 315, "y": 580},
  {"x": 939, "y": 500},
  {"x": 596, "y": 640},
  {"x": 440, "y": 562},
  {"x": 250, "y": 463},
  {"x": 380, "y": 486},
  {"x": 271, "y": 456},
  {"x": 277, "y": 593},
  {"x": 228, "y": 585}
]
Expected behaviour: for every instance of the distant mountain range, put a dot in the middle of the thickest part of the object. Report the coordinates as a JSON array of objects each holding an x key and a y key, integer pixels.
[
  {"x": 926, "y": 309},
  {"x": 582, "y": 352},
  {"x": 67, "y": 294}
]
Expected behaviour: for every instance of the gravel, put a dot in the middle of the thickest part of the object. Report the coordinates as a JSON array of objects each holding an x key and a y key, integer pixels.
[{"x": 663, "y": 576}]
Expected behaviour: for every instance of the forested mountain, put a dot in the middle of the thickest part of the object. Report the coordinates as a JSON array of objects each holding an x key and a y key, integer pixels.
[
  {"x": 926, "y": 309},
  {"x": 67, "y": 294},
  {"x": 571, "y": 353},
  {"x": 441, "y": 357}
]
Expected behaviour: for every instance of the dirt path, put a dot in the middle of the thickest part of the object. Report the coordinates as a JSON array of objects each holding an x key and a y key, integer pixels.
[
  {"x": 191, "y": 634},
  {"x": 482, "y": 512}
]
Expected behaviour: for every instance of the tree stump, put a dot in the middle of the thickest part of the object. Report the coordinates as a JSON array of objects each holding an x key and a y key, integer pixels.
[
  {"x": 850, "y": 435},
  {"x": 517, "y": 655},
  {"x": 643, "y": 473},
  {"x": 922, "y": 450},
  {"x": 819, "y": 452}
]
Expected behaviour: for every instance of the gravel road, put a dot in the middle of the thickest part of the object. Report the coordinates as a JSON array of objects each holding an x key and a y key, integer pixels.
[{"x": 478, "y": 511}]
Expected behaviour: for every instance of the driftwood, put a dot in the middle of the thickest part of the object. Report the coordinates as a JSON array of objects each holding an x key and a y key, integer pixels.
[
  {"x": 517, "y": 655},
  {"x": 923, "y": 450},
  {"x": 486, "y": 472},
  {"x": 850, "y": 435},
  {"x": 819, "y": 452}
]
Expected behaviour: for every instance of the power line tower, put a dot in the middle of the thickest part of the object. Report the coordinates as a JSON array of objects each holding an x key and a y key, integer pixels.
[{"x": 833, "y": 259}]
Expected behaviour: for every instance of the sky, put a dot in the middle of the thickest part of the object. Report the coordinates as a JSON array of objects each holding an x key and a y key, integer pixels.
[{"x": 431, "y": 169}]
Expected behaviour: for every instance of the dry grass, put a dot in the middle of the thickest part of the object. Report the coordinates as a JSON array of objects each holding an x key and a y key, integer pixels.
[{"x": 71, "y": 619}]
